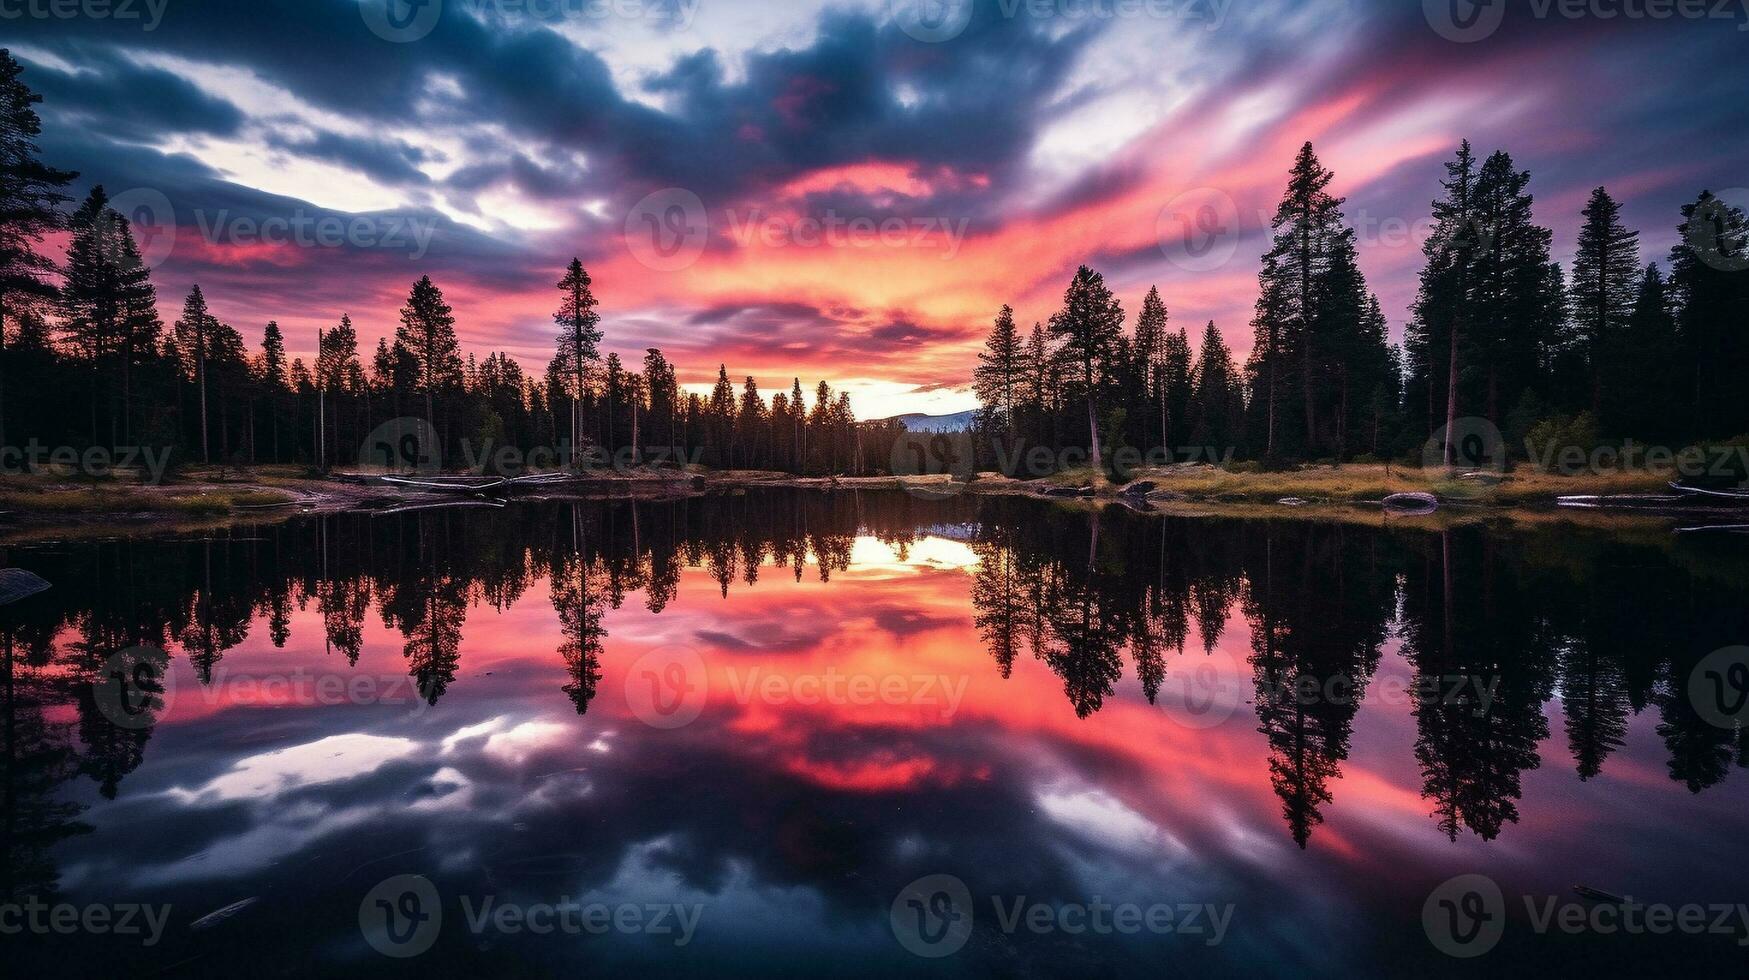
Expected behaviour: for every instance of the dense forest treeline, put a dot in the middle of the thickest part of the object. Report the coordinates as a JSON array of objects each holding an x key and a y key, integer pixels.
[
  {"x": 1115, "y": 604},
  {"x": 1610, "y": 349},
  {"x": 86, "y": 360}
]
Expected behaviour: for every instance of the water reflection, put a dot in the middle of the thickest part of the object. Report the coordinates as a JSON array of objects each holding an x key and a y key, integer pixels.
[{"x": 1137, "y": 690}]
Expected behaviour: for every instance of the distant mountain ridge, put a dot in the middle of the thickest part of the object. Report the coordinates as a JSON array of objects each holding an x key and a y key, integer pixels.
[{"x": 918, "y": 422}]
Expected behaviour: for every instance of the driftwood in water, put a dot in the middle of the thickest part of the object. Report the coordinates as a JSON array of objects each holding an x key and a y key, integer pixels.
[
  {"x": 445, "y": 486},
  {"x": 406, "y": 508},
  {"x": 1411, "y": 503}
]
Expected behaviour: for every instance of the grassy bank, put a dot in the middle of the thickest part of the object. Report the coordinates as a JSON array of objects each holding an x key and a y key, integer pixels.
[
  {"x": 215, "y": 493},
  {"x": 1371, "y": 482},
  {"x": 63, "y": 499}
]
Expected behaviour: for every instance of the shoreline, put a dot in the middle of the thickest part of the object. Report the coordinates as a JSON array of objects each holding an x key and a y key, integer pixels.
[{"x": 210, "y": 497}]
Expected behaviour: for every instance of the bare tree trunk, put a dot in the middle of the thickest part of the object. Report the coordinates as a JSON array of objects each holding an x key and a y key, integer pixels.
[
  {"x": 200, "y": 369},
  {"x": 1451, "y": 399},
  {"x": 1093, "y": 428},
  {"x": 1269, "y": 442},
  {"x": 3, "y": 396}
]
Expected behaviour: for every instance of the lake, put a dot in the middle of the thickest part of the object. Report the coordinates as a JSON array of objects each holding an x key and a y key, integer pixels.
[{"x": 801, "y": 733}]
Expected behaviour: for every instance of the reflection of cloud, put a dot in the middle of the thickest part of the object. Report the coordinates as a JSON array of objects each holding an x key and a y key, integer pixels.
[
  {"x": 328, "y": 760},
  {"x": 281, "y": 832},
  {"x": 467, "y": 732},
  {"x": 869, "y": 554},
  {"x": 1108, "y": 821},
  {"x": 518, "y": 744}
]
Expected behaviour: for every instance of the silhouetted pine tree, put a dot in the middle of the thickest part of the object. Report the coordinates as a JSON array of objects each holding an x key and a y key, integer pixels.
[
  {"x": 30, "y": 199},
  {"x": 1606, "y": 272},
  {"x": 1090, "y": 324}
]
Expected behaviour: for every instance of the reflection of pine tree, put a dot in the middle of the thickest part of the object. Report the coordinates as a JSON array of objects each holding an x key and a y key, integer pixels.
[
  {"x": 343, "y": 604},
  {"x": 217, "y": 615},
  {"x": 720, "y": 562},
  {"x": 279, "y": 614},
  {"x": 1087, "y": 655},
  {"x": 433, "y": 606},
  {"x": 1700, "y": 752},
  {"x": 433, "y": 648},
  {"x": 1595, "y": 698},
  {"x": 1162, "y": 623},
  {"x": 664, "y": 581},
  {"x": 1000, "y": 601},
  {"x": 752, "y": 556},
  {"x": 111, "y": 751},
  {"x": 36, "y": 759},
  {"x": 1472, "y": 749},
  {"x": 580, "y": 607},
  {"x": 1212, "y": 598},
  {"x": 1318, "y": 624},
  {"x": 1149, "y": 653}
]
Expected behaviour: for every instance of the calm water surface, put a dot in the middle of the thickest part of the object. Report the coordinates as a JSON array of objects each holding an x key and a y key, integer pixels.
[{"x": 731, "y": 734}]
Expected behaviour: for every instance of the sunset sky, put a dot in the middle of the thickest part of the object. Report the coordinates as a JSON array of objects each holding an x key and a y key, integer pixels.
[{"x": 708, "y": 160}]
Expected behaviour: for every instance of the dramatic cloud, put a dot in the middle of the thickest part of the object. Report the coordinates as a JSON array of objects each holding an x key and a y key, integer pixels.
[{"x": 819, "y": 191}]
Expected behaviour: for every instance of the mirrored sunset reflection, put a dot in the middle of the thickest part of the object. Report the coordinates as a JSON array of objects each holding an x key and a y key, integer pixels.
[{"x": 784, "y": 708}]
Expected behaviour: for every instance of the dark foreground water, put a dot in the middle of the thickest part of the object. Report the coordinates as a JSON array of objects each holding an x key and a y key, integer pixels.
[{"x": 800, "y": 734}]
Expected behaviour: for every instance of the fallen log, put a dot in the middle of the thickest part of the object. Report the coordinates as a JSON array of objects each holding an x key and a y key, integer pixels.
[
  {"x": 445, "y": 486},
  {"x": 1742, "y": 495},
  {"x": 407, "y": 508}
]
